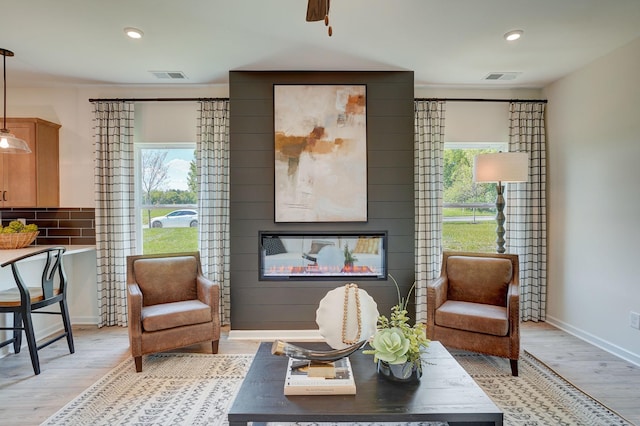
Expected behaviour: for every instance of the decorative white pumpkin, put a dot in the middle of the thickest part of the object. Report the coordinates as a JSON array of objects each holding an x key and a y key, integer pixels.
[{"x": 330, "y": 316}]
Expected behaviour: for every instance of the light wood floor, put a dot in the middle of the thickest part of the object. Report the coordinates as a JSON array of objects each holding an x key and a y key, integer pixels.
[{"x": 26, "y": 399}]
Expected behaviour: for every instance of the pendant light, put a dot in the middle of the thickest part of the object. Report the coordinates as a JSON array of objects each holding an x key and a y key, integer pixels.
[{"x": 9, "y": 144}]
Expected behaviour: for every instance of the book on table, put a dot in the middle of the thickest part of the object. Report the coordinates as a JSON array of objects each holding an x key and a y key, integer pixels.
[{"x": 310, "y": 378}]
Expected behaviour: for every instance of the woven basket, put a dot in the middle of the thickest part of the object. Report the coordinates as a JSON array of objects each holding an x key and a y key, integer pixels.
[{"x": 18, "y": 240}]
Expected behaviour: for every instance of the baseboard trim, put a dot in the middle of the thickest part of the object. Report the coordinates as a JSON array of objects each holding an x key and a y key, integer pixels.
[
  {"x": 84, "y": 320},
  {"x": 596, "y": 341},
  {"x": 271, "y": 335}
]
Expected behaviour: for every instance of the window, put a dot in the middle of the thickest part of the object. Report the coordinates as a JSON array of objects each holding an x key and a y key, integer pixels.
[
  {"x": 469, "y": 208},
  {"x": 166, "y": 197}
]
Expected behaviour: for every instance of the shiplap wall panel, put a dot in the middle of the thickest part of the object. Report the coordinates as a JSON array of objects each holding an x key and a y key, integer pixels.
[{"x": 291, "y": 304}]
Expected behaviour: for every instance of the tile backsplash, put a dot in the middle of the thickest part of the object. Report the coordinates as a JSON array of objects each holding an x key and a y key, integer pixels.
[{"x": 58, "y": 225}]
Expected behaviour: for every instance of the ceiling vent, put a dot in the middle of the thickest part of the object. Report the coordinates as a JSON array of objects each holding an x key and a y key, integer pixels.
[
  {"x": 495, "y": 76},
  {"x": 169, "y": 75}
]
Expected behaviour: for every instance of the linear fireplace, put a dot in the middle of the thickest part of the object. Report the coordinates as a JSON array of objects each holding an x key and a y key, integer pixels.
[{"x": 322, "y": 255}]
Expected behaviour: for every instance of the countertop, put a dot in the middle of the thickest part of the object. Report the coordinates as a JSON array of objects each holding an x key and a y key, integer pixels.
[{"x": 10, "y": 254}]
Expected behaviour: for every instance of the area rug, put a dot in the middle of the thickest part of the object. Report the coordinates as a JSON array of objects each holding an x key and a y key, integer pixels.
[
  {"x": 172, "y": 389},
  {"x": 198, "y": 389},
  {"x": 538, "y": 396}
]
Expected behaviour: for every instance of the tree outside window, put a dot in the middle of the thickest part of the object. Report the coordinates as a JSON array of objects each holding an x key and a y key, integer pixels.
[
  {"x": 166, "y": 185},
  {"x": 469, "y": 208}
]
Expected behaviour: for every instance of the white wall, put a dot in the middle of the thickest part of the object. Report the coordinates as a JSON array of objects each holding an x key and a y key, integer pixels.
[
  {"x": 70, "y": 107},
  {"x": 593, "y": 121},
  {"x": 176, "y": 121},
  {"x": 472, "y": 121},
  {"x": 593, "y": 146}
]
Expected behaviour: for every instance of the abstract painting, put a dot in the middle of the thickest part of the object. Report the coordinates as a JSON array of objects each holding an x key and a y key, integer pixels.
[{"x": 320, "y": 153}]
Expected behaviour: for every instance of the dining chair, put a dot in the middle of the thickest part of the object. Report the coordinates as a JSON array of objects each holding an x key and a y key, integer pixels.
[{"x": 23, "y": 300}]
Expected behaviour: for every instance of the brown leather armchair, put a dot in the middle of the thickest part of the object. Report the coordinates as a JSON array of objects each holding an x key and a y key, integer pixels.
[
  {"x": 475, "y": 305},
  {"x": 170, "y": 304}
]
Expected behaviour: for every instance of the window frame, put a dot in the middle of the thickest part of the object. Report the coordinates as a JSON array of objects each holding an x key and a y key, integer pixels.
[
  {"x": 137, "y": 172},
  {"x": 498, "y": 146}
]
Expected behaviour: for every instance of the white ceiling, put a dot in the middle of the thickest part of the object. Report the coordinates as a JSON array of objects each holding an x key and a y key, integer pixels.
[{"x": 445, "y": 42}]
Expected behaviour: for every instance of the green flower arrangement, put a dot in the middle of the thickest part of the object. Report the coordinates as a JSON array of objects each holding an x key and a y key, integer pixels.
[{"x": 397, "y": 342}]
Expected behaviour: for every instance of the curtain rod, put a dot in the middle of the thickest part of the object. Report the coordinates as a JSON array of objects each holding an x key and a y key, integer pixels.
[
  {"x": 544, "y": 101},
  {"x": 226, "y": 99},
  {"x": 158, "y": 99}
]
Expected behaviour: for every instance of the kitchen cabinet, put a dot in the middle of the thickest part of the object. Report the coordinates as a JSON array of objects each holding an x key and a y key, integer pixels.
[{"x": 31, "y": 180}]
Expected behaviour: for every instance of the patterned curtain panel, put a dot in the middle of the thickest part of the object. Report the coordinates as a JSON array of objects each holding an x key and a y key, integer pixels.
[
  {"x": 212, "y": 162},
  {"x": 115, "y": 221},
  {"x": 429, "y": 188},
  {"x": 526, "y": 209}
]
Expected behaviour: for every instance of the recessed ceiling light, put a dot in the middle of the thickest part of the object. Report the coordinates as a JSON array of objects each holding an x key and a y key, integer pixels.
[
  {"x": 513, "y": 35},
  {"x": 133, "y": 32}
]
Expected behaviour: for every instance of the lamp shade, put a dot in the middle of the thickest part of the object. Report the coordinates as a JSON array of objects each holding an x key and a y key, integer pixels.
[
  {"x": 501, "y": 167},
  {"x": 9, "y": 144}
]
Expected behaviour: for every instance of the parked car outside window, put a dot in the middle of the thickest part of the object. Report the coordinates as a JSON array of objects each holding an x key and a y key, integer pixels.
[{"x": 176, "y": 219}]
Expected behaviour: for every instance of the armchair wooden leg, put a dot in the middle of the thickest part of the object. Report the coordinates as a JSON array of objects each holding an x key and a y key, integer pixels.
[
  {"x": 514, "y": 367},
  {"x": 214, "y": 346},
  {"x": 138, "y": 361}
]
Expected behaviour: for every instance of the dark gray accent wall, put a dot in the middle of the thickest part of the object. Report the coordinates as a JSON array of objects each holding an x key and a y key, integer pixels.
[{"x": 291, "y": 305}]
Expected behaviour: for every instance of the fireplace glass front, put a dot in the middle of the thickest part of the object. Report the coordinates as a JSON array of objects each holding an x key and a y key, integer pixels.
[{"x": 317, "y": 256}]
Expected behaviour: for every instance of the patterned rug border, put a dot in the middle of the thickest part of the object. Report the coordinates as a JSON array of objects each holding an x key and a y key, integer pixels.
[
  {"x": 497, "y": 368},
  {"x": 67, "y": 415},
  {"x": 560, "y": 377}
]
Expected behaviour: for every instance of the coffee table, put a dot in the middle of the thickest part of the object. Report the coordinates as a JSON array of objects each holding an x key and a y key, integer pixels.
[{"x": 445, "y": 393}]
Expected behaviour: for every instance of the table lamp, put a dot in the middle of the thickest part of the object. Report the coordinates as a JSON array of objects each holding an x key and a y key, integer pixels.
[{"x": 501, "y": 167}]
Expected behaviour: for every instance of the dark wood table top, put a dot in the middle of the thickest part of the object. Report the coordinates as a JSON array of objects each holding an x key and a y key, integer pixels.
[{"x": 444, "y": 393}]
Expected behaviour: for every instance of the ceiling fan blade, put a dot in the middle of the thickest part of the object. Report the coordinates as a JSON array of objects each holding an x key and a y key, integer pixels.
[{"x": 317, "y": 10}]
